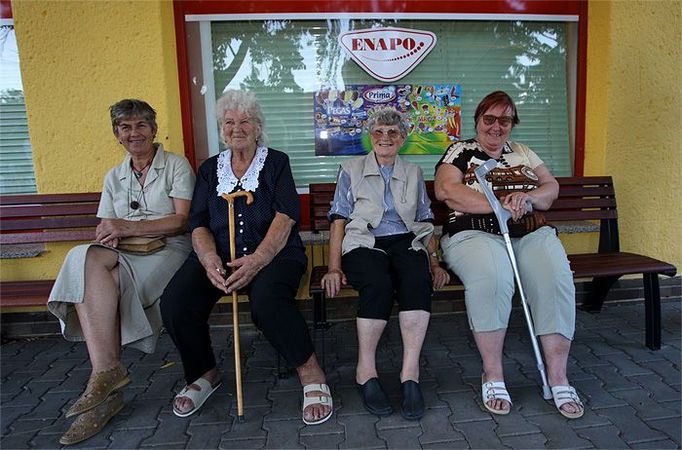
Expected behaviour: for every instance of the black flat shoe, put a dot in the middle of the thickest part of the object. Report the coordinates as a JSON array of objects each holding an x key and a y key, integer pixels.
[
  {"x": 374, "y": 398},
  {"x": 412, "y": 407}
]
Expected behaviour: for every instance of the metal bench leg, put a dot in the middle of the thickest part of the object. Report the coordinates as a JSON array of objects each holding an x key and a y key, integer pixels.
[
  {"x": 320, "y": 321},
  {"x": 652, "y": 311},
  {"x": 597, "y": 292},
  {"x": 283, "y": 370}
]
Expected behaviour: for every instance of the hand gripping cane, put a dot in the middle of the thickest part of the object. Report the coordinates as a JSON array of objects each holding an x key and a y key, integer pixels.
[
  {"x": 235, "y": 312},
  {"x": 503, "y": 216}
]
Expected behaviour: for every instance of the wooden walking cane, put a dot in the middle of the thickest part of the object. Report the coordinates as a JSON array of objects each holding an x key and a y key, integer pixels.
[{"x": 235, "y": 312}]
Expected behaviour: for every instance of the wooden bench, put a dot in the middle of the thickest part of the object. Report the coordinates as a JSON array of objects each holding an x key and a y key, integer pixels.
[
  {"x": 580, "y": 199},
  {"x": 40, "y": 219}
]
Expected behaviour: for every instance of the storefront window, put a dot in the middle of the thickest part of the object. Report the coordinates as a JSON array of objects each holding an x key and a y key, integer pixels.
[{"x": 285, "y": 61}]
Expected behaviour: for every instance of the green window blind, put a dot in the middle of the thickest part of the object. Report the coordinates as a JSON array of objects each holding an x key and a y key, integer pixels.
[
  {"x": 16, "y": 160},
  {"x": 285, "y": 61}
]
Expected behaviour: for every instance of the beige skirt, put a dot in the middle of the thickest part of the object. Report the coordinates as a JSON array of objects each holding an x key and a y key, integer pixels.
[{"x": 142, "y": 279}]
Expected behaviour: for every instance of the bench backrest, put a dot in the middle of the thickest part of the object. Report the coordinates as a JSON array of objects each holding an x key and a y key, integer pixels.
[
  {"x": 35, "y": 218},
  {"x": 580, "y": 198}
]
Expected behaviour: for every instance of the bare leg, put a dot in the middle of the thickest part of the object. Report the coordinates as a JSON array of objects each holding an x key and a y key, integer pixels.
[
  {"x": 369, "y": 333},
  {"x": 311, "y": 373},
  {"x": 555, "y": 348},
  {"x": 490, "y": 344},
  {"x": 98, "y": 314},
  {"x": 413, "y": 325},
  {"x": 184, "y": 404}
]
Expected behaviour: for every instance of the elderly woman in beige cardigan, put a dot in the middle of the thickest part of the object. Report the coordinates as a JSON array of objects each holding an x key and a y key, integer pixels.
[{"x": 381, "y": 241}]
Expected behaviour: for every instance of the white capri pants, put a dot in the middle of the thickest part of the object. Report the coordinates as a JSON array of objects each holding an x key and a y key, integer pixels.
[{"x": 481, "y": 261}]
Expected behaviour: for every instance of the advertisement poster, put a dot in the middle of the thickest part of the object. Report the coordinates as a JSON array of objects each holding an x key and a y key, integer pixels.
[{"x": 432, "y": 112}]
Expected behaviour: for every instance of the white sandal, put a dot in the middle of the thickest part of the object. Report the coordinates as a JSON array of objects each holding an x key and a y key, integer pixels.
[
  {"x": 567, "y": 394},
  {"x": 324, "y": 400},
  {"x": 198, "y": 397},
  {"x": 495, "y": 390}
]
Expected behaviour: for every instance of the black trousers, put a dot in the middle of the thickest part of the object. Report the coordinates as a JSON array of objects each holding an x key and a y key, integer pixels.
[
  {"x": 377, "y": 274},
  {"x": 189, "y": 298}
]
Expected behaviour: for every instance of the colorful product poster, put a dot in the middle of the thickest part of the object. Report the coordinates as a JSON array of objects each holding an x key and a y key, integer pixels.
[{"x": 432, "y": 112}]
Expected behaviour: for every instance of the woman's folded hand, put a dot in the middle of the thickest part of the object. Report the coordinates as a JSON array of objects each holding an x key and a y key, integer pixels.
[
  {"x": 244, "y": 269},
  {"x": 214, "y": 270},
  {"x": 332, "y": 282},
  {"x": 440, "y": 277},
  {"x": 109, "y": 229}
]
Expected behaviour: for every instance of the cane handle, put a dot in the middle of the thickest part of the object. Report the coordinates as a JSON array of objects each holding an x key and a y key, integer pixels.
[{"x": 231, "y": 197}]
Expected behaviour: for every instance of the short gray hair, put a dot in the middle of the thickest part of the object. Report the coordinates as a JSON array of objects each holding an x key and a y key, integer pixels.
[
  {"x": 132, "y": 108},
  {"x": 244, "y": 102},
  {"x": 387, "y": 115}
]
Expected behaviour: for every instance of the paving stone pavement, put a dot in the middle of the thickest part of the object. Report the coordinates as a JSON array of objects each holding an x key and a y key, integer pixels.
[{"x": 631, "y": 394}]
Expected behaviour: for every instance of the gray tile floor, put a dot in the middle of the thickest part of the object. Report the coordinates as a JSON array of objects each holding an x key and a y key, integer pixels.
[{"x": 632, "y": 395}]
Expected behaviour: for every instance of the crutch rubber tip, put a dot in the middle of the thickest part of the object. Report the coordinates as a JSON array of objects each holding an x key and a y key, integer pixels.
[
  {"x": 547, "y": 393},
  {"x": 240, "y": 419}
]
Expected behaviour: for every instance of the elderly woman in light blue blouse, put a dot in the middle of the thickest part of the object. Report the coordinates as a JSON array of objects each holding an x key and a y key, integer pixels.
[
  {"x": 108, "y": 297},
  {"x": 381, "y": 241}
]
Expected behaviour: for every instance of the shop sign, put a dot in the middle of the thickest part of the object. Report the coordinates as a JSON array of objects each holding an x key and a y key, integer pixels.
[{"x": 388, "y": 54}]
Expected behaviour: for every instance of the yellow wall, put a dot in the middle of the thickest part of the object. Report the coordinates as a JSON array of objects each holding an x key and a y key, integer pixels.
[
  {"x": 634, "y": 119},
  {"x": 79, "y": 57}
]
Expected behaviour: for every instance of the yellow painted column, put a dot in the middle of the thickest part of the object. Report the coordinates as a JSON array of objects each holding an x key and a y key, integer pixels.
[{"x": 77, "y": 58}]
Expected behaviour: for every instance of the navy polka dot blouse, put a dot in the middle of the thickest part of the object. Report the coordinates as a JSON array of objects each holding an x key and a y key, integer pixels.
[{"x": 276, "y": 192}]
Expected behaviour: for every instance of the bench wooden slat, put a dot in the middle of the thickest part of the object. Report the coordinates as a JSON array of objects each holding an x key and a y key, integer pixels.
[
  {"x": 47, "y": 236},
  {"x": 25, "y": 293},
  {"x": 29, "y": 199},
  {"x": 584, "y": 181},
  {"x": 561, "y": 216},
  {"x": 49, "y": 222},
  {"x": 617, "y": 264},
  {"x": 70, "y": 209},
  {"x": 584, "y": 203}
]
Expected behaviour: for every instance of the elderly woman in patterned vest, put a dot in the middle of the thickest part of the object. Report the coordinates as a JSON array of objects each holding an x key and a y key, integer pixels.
[{"x": 477, "y": 254}]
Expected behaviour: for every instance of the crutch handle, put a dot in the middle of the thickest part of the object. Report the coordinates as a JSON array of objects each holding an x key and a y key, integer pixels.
[{"x": 502, "y": 214}]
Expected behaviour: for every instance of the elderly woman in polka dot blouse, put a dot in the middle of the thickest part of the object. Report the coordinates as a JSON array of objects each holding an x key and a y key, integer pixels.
[{"x": 270, "y": 260}]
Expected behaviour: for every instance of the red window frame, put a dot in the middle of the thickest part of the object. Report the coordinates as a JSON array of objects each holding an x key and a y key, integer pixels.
[{"x": 516, "y": 8}]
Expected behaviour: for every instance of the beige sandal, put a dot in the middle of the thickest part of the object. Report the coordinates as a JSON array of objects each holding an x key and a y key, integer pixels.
[
  {"x": 100, "y": 386},
  {"x": 567, "y": 394},
  {"x": 495, "y": 390},
  {"x": 324, "y": 400},
  {"x": 90, "y": 423}
]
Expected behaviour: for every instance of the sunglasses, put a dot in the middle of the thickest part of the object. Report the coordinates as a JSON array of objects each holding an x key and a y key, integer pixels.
[
  {"x": 391, "y": 134},
  {"x": 504, "y": 121}
]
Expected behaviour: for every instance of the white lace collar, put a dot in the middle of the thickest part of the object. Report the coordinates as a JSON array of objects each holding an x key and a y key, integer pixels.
[{"x": 226, "y": 178}]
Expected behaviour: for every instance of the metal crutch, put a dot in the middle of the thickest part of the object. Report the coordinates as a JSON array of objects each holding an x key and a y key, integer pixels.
[
  {"x": 235, "y": 311},
  {"x": 503, "y": 216}
]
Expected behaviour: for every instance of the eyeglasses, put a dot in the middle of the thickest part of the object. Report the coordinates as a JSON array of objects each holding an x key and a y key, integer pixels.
[
  {"x": 391, "y": 134},
  {"x": 504, "y": 121}
]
